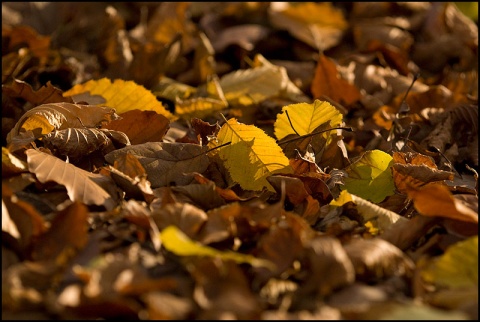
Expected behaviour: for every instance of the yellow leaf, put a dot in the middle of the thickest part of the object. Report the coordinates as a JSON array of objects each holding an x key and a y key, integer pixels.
[
  {"x": 122, "y": 95},
  {"x": 371, "y": 176},
  {"x": 318, "y": 24},
  {"x": 457, "y": 267},
  {"x": 175, "y": 241},
  {"x": 305, "y": 118},
  {"x": 252, "y": 155}
]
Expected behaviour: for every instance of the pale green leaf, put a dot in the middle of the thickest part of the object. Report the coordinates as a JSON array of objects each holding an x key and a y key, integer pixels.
[
  {"x": 177, "y": 242},
  {"x": 371, "y": 176},
  {"x": 251, "y": 156}
]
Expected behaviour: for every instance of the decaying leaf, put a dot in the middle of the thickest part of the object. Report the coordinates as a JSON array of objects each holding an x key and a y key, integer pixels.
[
  {"x": 45, "y": 118},
  {"x": 166, "y": 163},
  {"x": 81, "y": 185},
  {"x": 252, "y": 155}
]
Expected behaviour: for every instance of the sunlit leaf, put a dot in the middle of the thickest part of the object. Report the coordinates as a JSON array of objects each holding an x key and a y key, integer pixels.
[
  {"x": 305, "y": 118},
  {"x": 371, "y": 176},
  {"x": 45, "y": 118},
  {"x": 320, "y": 25},
  {"x": 122, "y": 95},
  {"x": 457, "y": 267},
  {"x": 252, "y": 155},
  {"x": 437, "y": 200},
  {"x": 175, "y": 241}
]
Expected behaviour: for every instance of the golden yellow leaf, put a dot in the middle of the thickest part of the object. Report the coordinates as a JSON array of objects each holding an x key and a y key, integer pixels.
[
  {"x": 252, "y": 155},
  {"x": 305, "y": 118},
  {"x": 122, "y": 95}
]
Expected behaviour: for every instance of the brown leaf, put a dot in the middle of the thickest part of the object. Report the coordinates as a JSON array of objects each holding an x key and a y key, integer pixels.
[
  {"x": 328, "y": 82},
  {"x": 437, "y": 200},
  {"x": 58, "y": 116},
  {"x": 81, "y": 185},
  {"x": 376, "y": 259},
  {"x": 20, "y": 219},
  {"x": 141, "y": 126},
  {"x": 68, "y": 233},
  {"x": 46, "y": 94},
  {"x": 166, "y": 163},
  {"x": 78, "y": 143}
]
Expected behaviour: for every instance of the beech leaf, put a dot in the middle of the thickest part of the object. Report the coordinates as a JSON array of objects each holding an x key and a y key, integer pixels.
[
  {"x": 122, "y": 95},
  {"x": 79, "y": 183},
  {"x": 371, "y": 176},
  {"x": 251, "y": 86},
  {"x": 175, "y": 241},
  {"x": 328, "y": 82},
  {"x": 252, "y": 155},
  {"x": 437, "y": 200},
  {"x": 166, "y": 163},
  {"x": 45, "y": 118},
  {"x": 305, "y": 118}
]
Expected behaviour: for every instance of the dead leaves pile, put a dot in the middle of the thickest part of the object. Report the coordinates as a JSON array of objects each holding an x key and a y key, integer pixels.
[{"x": 239, "y": 161}]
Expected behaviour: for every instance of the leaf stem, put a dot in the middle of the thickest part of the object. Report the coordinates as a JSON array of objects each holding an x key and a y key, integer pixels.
[{"x": 349, "y": 129}]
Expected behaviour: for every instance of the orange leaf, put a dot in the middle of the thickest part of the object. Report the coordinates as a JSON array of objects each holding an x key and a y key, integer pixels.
[
  {"x": 141, "y": 126},
  {"x": 436, "y": 200},
  {"x": 328, "y": 82}
]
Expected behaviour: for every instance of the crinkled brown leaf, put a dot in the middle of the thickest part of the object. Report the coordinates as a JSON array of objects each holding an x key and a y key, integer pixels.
[
  {"x": 45, "y": 118},
  {"x": 166, "y": 163},
  {"x": 46, "y": 94},
  {"x": 77, "y": 143}
]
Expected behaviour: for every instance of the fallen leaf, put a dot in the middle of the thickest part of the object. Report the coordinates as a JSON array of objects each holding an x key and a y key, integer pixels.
[
  {"x": 121, "y": 95},
  {"x": 252, "y": 155},
  {"x": 141, "y": 126},
  {"x": 327, "y": 82},
  {"x": 166, "y": 163},
  {"x": 175, "y": 241},
  {"x": 370, "y": 177},
  {"x": 80, "y": 184},
  {"x": 45, "y": 118},
  {"x": 437, "y": 200},
  {"x": 456, "y": 268}
]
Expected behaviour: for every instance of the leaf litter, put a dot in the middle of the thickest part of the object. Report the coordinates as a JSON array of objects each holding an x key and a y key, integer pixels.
[{"x": 240, "y": 160}]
